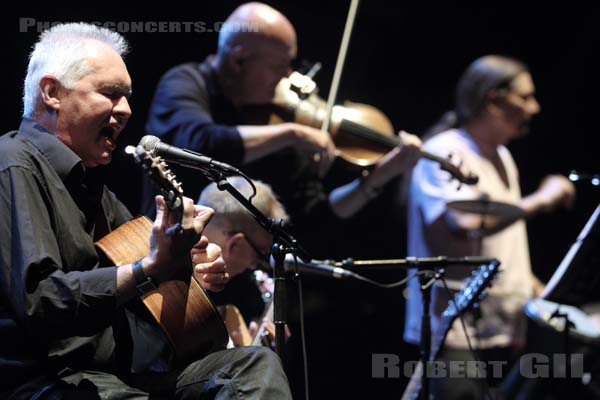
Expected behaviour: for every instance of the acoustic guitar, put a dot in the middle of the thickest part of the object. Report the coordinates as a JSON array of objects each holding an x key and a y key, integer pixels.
[
  {"x": 238, "y": 330},
  {"x": 266, "y": 286},
  {"x": 180, "y": 306},
  {"x": 236, "y": 325},
  {"x": 468, "y": 296}
]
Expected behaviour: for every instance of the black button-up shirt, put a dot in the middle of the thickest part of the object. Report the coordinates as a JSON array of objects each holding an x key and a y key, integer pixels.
[{"x": 57, "y": 306}]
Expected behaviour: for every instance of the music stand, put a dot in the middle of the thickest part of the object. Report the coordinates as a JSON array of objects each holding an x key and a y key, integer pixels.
[{"x": 576, "y": 281}]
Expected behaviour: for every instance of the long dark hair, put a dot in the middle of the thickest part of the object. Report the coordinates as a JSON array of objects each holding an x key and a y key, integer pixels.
[{"x": 483, "y": 75}]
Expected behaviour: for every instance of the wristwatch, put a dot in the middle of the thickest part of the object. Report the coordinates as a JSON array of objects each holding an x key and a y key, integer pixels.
[{"x": 143, "y": 283}]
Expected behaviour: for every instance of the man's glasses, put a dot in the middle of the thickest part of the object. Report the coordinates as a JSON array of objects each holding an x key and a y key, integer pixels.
[{"x": 262, "y": 256}]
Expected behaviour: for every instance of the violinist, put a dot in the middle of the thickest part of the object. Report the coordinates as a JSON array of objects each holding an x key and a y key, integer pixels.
[{"x": 201, "y": 107}]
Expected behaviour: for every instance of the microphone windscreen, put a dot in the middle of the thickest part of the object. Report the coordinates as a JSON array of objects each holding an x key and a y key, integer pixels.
[{"x": 149, "y": 143}]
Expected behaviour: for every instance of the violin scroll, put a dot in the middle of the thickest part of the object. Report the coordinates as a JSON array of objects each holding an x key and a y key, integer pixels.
[{"x": 453, "y": 170}]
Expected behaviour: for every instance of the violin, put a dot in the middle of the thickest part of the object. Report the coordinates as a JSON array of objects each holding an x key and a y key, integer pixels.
[{"x": 362, "y": 134}]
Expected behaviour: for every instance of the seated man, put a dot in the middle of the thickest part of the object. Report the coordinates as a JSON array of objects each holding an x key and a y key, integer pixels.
[
  {"x": 244, "y": 243},
  {"x": 62, "y": 315}
]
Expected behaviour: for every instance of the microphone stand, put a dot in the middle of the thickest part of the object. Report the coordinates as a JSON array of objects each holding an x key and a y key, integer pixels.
[
  {"x": 431, "y": 270},
  {"x": 566, "y": 337},
  {"x": 283, "y": 243},
  {"x": 426, "y": 281}
]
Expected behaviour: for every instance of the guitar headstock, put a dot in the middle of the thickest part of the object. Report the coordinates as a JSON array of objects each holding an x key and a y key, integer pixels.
[
  {"x": 160, "y": 175},
  {"x": 265, "y": 284},
  {"x": 474, "y": 291}
]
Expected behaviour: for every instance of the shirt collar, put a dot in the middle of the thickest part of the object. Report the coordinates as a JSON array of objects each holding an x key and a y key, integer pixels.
[
  {"x": 210, "y": 77},
  {"x": 61, "y": 157},
  {"x": 462, "y": 132}
]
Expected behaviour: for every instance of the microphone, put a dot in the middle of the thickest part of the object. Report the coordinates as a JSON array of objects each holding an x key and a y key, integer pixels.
[
  {"x": 422, "y": 262},
  {"x": 443, "y": 261},
  {"x": 315, "y": 268},
  {"x": 184, "y": 157}
]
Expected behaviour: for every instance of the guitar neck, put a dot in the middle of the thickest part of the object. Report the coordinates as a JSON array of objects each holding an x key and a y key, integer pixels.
[
  {"x": 437, "y": 340},
  {"x": 471, "y": 294},
  {"x": 266, "y": 317}
]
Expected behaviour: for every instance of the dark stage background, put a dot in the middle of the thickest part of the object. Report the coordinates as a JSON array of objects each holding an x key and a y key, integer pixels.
[{"x": 405, "y": 60}]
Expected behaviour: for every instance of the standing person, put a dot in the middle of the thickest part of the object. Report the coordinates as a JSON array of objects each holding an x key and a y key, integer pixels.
[
  {"x": 62, "y": 315},
  {"x": 495, "y": 101}
]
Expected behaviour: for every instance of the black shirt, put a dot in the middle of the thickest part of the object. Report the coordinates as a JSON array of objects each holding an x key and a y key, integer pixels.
[
  {"x": 189, "y": 111},
  {"x": 57, "y": 306}
]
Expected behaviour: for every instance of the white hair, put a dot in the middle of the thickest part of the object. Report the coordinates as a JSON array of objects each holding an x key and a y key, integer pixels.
[
  {"x": 228, "y": 208},
  {"x": 61, "y": 53}
]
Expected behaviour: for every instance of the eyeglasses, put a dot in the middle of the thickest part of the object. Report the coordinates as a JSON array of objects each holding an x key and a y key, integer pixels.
[{"x": 263, "y": 257}]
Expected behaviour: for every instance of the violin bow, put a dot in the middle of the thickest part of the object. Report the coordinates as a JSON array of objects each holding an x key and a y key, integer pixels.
[{"x": 339, "y": 65}]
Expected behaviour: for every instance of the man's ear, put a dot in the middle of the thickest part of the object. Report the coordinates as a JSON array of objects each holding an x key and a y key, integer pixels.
[
  {"x": 50, "y": 89},
  {"x": 493, "y": 103},
  {"x": 235, "y": 243},
  {"x": 236, "y": 58}
]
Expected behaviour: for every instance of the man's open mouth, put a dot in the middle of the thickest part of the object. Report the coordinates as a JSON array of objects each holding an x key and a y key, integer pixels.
[{"x": 107, "y": 132}]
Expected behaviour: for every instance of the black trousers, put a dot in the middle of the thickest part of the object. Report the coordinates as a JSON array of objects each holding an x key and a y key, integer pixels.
[
  {"x": 467, "y": 377},
  {"x": 239, "y": 373}
]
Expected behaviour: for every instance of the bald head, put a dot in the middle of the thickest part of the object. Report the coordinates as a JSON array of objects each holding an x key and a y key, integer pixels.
[{"x": 251, "y": 23}]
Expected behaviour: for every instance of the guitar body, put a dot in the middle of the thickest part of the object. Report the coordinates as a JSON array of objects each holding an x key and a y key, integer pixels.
[
  {"x": 181, "y": 308},
  {"x": 236, "y": 325}
]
